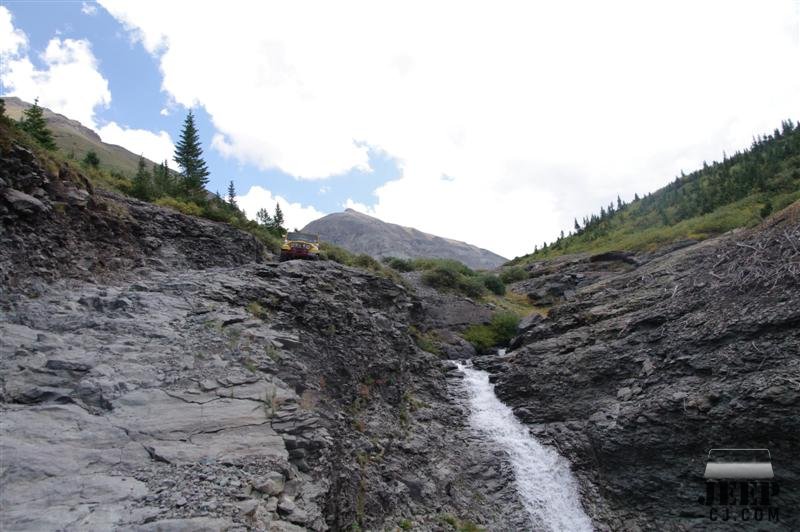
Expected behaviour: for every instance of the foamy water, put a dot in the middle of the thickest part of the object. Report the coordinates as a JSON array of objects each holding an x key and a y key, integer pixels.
[{"x": 545, "y": 484}]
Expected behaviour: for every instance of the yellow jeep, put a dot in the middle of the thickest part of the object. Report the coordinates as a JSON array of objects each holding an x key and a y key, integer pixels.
[{"x": 300, "y": 246}]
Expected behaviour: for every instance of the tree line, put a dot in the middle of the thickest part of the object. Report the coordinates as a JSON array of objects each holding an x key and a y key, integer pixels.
[
  {"x": 766, "y": 168},
  {"x": 190, "y": 183}
]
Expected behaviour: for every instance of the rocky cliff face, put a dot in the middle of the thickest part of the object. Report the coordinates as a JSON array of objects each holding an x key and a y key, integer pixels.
[
  {"x": 360, "y": 233},
  {"x": 159, "y": 373},
  {"x": 643, "y": 365},
  {"x": 55, "y": 225}
]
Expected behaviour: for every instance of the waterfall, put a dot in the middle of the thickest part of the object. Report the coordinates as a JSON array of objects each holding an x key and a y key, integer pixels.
[{"x": 545, "y": 484}]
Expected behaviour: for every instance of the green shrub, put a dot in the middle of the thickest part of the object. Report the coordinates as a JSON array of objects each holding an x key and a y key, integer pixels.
[
  {"x": 91, "y": 159},
  {"x": 441, "y": 278},
  {"x": 454, "y": 276},
  {"x": 186, "y": 207},
  {"x": 448, "y": 264},
  {"x": 365, "y": 261},
  {"x": 480, "y": 336},
  {"x": 215, "y": 212},
  {"x": 336, "y": 254},
  {"x": 513, "y": 274},
  {"x": 494, "y": 284},
  {"x": 401, "y": 265},
  {"x": 471, "y": 286},
  {"x": 504, "y": 325},
  {"x": 497, "y": 333}
]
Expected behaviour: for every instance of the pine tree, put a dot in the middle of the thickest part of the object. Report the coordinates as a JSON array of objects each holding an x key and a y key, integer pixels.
[
  {"x": 91, "y": 159},
  {"x": 34, "y": 123},
  {"x": 277, "y": 220},
  {"x": 232, "y": 195},
  {"x": 577, "y": 225},
  {"x": 263, "y": 217},
  {"x": 619, "y": 202},
  {"x": 163, "y": 184},
  {"x": 142, "y": 181},
  {"x": 189, "y": 155}
]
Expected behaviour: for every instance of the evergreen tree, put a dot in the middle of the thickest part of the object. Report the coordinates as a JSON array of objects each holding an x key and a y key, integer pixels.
[
  {"x": 2, "y": 108},
  {"x": 232, "y": 195},
  {"x": 34, "y": 123},
  {"x": 142, "y": 182},
  {"x": 189, "y": 155},
  {"x": 163, "y": 184},
  {"x": 263, "y": 217},
  {"x": 277, "y": 220},
  {"x": 619, "y": 202},
  {"x": 91, "y": 159},
  {"x": 577, "y": 225}
]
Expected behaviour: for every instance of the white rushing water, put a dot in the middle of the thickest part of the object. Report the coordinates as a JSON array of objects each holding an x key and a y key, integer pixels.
[{"x": 544, "y": 481}]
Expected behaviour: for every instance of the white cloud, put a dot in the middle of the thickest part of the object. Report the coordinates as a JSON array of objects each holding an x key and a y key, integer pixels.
[
  {"x": 12, "y": 40},
  {"x": 71, "y": 84},
  {"x": 88, "y": 8},
  {"x": 535, "y": 112},
  {"x": 164, "y": 112},
  {"x": 295, "y": 215},
  {"x": 154, "y": 146}
]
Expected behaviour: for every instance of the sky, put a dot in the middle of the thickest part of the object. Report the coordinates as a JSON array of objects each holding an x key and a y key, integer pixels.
[{"x": 496, "y": 123}]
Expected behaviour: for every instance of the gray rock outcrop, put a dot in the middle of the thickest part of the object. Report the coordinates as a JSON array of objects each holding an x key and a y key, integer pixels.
[
  {"x": 637, "y": 373},
  {"x": 156, "y": 373}
]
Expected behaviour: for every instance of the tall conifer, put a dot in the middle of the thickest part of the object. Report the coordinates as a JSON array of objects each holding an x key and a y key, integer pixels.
[{"x": 189, "y": 155}]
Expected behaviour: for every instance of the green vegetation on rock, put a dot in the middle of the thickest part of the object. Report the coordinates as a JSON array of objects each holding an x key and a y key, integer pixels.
[
  {"x": 450, "y": 275},
  {"x": 497, "y": 333},
  {"x": 338, "y": 254}
]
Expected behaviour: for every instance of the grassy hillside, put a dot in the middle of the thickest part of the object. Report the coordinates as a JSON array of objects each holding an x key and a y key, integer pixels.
[
  {"x": 75, "y": 140},
  {"x": 738, "y": 191},
  {"x": 202, "y": 204}
]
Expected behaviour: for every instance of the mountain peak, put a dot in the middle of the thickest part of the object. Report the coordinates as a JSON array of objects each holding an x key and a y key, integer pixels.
[{"x": 360, "y": 233}]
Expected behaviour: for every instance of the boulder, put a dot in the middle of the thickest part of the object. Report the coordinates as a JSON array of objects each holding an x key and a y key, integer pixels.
[{"x": 23, "y": 203}]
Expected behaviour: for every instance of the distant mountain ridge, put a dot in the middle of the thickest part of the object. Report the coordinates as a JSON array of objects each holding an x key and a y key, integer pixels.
[
  {"x": 360, "y": 233},
  {"x": 72, "y": 137}
]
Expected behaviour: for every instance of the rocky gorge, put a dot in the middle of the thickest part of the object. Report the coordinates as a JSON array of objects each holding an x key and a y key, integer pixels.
[
  {"x": 164, "y": 372},
  {"x": 647, "y": 362}
]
